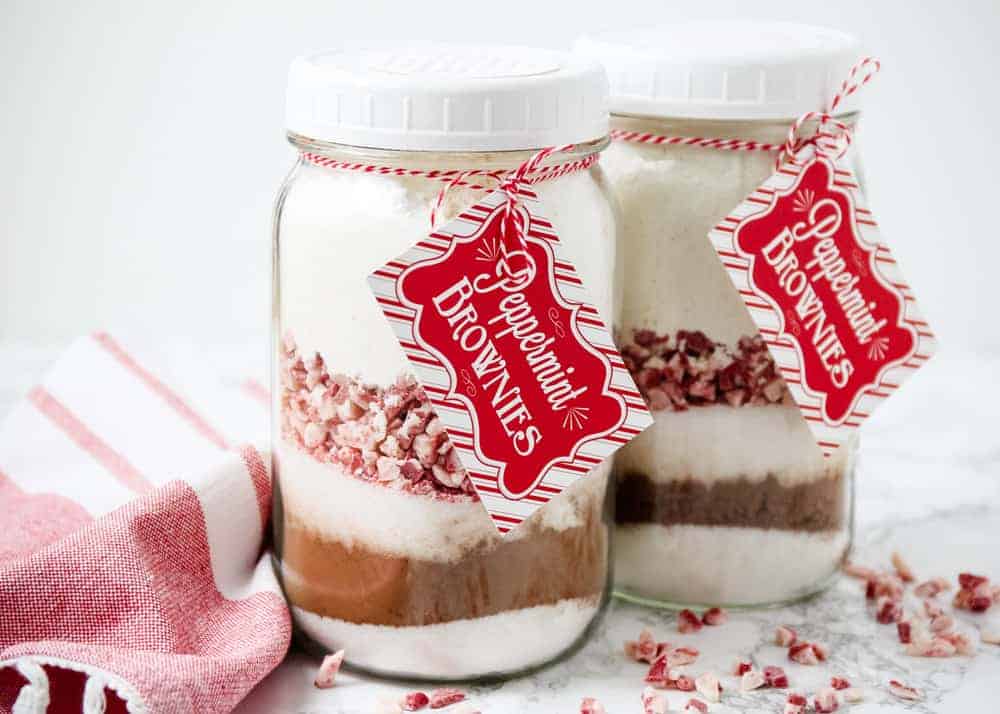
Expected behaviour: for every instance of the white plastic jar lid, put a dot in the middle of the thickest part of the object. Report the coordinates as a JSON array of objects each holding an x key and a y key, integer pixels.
[
  {"x": 724, "y": 70},
  {"x": 448, "y": 98}
]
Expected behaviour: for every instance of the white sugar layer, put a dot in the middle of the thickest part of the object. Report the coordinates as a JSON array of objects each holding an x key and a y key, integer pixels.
[
  {"x": 720, "y": 442},
  {"x": 670, "y": 199},
  {"x": 473, "y": 647},
  {"x": 721, "y": 565},
  {"x": 348, "y": 510}
]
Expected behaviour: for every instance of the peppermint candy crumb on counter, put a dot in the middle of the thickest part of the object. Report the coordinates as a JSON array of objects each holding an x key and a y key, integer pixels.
[
  {"x": 680, "y": 656},
  {"x": 826, "y": 701},
  {"x": 905, "y": 692},
  {"x": 931, "y": 588},
  {"x": 904, "y": 630},
  {"x": 990, "y": 633},
  {"x": 645, "y": 649},
  {"x": 708, "y": 686},
  {"x": 414, "y": 701},
  {"x": 853, "y": 695},
  {"x": 795, "y": 704},
  {"x": 328, "y": 669},
  {"x": 715, "y": 616},
  {"x": 903, "y": 571},
  {"x": 752, "y": 680},
  {"x": 839, "y": 683},
  {"x": 653, "y": 702},
  {"x": 804, "y": 653},
  {"x": 858, "y": 571},
  {"x": 975, "y": 594},
  {"x": 775, "y": 677},
  {"x": 695, "y": 706},
  {"x": 688, "y": 622},
  {"x": 785, "y": 636},
  {"x": 446, "y": 696}
]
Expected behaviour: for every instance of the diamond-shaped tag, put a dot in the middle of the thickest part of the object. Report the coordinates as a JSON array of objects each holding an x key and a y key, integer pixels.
[
  {"x": 825, "y": 292},
  {"x": 519, "y": 365}
]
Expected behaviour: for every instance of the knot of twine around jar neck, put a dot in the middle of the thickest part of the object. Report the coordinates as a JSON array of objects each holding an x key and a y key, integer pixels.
[
  {"x": 831, "y": 138},
  {"x": 513, "y": 183}
]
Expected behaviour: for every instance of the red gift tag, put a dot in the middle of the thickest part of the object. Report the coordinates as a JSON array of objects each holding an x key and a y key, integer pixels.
[
  {"x": 522, "y": 371},
  {"x": 826, "y": 294}
]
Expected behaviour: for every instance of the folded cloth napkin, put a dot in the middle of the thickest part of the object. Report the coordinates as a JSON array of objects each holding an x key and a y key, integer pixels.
[{"x": 133, "y": 575}]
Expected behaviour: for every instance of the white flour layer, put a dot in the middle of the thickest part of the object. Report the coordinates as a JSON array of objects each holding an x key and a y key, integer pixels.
[
  {"x": 352, "y": 511},
  {"x": 337, "y": 226},
  {"x": 504, "y": 642},
  {"x": 720, "y": 442},
  {"x": 724, "y": 566},
  {"x": 670, "y": 199}
]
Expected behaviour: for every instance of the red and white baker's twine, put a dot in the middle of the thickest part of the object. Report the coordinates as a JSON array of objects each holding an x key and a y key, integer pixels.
[
  {"x": 510, "y": 182},
  {"x": 831, "y": 138}
]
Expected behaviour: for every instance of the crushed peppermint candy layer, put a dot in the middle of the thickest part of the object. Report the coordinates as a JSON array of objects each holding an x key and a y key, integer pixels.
[
  {"x": 385, "y": 435},
  {"x": 676, "y": 372}
]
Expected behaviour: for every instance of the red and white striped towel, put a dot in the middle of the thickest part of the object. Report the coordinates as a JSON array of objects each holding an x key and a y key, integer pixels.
[{"x": 133, "y": 576}]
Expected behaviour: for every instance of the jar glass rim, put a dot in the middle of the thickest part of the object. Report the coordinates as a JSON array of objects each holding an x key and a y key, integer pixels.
[
  {"x": 442, "y": 159},
  {"x": 762, "y": 130},
  {"x": 846, "y": 117}
]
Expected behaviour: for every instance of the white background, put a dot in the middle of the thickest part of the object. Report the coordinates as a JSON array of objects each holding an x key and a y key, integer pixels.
[{"x": 141, "y": 145}]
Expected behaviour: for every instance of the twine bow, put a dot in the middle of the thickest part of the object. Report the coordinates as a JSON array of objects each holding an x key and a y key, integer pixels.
[
  {"x": 513, "y": 183},
  {"x": 832, "y": 137}
]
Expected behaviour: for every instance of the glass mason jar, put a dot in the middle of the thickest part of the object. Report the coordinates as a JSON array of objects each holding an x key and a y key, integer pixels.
[
  {"x": 381, "y": 543},
  {"x": 726, "y": 499}
]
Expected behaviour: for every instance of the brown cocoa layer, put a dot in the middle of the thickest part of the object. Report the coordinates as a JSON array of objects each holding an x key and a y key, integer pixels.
[
  {"x": 361, "y": 585},
  {"x": 819, "y": 505}
]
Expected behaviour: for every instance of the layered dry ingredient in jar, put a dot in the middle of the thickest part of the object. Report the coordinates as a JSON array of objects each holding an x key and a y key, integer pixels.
[
  {"x": 383, "y": 547},
  {"x": 726, "y": 499}
]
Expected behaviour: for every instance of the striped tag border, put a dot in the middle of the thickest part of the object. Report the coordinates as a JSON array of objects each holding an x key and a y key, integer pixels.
[
  {"x": 770, "y": 321},
  {"x": 454, "y": 414}
]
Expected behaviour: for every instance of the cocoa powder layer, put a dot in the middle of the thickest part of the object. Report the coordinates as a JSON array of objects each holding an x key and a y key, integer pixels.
[
  {"x": 819, "y": 505},
  {"x": 360, "y": 585}
]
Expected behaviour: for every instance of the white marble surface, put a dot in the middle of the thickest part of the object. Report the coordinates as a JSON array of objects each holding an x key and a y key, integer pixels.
[{"x": 928, "y": 485}]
